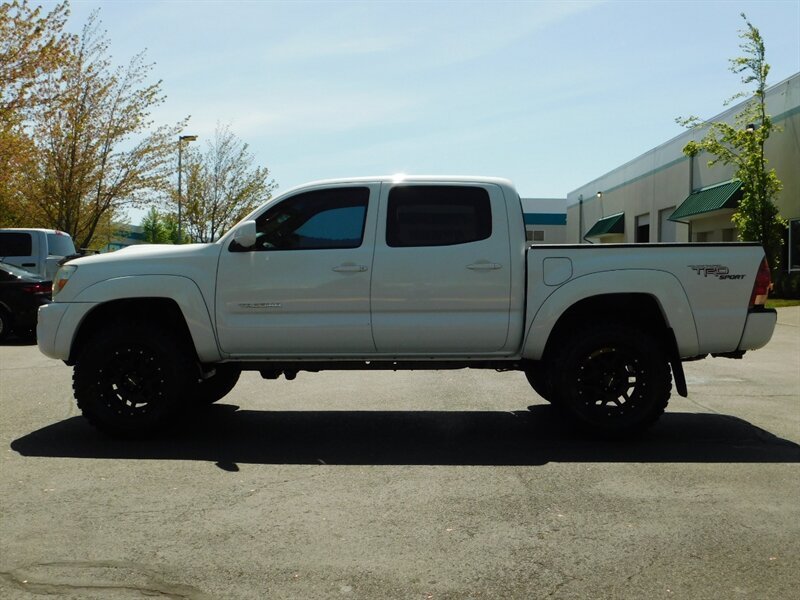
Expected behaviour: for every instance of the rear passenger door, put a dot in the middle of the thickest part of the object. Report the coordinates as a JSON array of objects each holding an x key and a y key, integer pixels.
[{"x": 441, "y": 282}]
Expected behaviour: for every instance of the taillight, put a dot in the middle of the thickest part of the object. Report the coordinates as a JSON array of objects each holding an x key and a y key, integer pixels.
[
  {"x": 762, "y": 285},
  {"x": 38, "y": 288}
]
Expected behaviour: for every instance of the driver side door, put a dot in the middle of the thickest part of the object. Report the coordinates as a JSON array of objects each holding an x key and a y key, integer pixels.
[{"x": 304, "y": 288}]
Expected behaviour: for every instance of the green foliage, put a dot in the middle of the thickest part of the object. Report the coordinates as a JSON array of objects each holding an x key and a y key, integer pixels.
[
  {"x": 787, "y": 285},
  {"x": 742, "y": 145},
  {"x": 154, "y": 228},
  {"x": 161, "y": 228},
  {"x": 170, "y": 222}
]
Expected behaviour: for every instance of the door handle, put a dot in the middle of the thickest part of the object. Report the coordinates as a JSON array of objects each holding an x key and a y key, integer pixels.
[
  {"x": 28, "y": 264},
  {"x": 350, "y": 269},
  {"x": 484, "y": 266}
]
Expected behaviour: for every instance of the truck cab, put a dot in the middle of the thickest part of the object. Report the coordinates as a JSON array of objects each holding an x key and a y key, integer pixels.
[{"x": 36, "y": 250}]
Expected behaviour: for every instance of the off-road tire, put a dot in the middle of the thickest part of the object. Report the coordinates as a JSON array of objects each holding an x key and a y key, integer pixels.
[
  {"x": 5, "y": 324},
  {"x": 207, "y": 391},
  {"x": 538, "y": 376},
  {"x": 133, "y": 379},
  {"x": 614, "y": 379}
]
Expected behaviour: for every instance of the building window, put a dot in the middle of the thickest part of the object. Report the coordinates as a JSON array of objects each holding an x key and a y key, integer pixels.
[
  {"x": 538, "y": 235},
  {"x": 794, "y": 245},
  {"x": 642, "y": 229},
  {"x": 729, "y": 235},
  {"x": 528, "y": 235},
  {"x": 701, "y": 236}
]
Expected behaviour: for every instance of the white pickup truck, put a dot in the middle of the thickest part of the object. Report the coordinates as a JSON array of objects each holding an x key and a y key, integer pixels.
[
  {"x": 399, "y": 273},
  {"x": 36, "y": 250}
]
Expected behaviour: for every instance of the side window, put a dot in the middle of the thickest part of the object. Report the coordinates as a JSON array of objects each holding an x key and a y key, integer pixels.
[
  {"x": 317, "y": 220},
  {"x": 13, "y": 243},
  {"x": 794, "y": 245},
  {"x": 432, "y": 215}
]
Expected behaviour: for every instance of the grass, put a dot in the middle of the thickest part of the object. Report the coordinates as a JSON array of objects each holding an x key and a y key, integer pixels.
[{"x": 780, "y": 303}]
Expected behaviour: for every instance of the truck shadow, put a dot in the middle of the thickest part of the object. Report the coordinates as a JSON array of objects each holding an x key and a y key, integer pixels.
[
  {"x": 18, "y": 340},
  {"x": 537, "y": 436}
]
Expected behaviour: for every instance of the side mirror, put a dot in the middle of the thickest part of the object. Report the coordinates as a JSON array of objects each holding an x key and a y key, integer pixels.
[{"x": 245, "y": 234}]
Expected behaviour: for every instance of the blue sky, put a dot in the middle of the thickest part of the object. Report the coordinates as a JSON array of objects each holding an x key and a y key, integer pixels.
[{"x": 548, "y": 94}]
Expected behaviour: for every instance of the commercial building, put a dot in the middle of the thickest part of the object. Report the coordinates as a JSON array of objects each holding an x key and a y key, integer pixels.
[
  {"x": 665, "y": 196},
  {"x": 545, "y": 220}
]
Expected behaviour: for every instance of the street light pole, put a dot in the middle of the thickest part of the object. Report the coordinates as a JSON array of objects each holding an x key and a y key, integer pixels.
[{"x": 181, "y": 139}]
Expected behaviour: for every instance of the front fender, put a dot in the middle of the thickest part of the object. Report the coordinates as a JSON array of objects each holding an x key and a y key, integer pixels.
[
  {"x": 182, "y": 290},
  {"x": 664, "y": 287}
]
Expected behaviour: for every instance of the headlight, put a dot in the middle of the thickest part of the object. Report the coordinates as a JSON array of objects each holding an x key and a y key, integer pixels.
[{"x": 62, "y": 277}]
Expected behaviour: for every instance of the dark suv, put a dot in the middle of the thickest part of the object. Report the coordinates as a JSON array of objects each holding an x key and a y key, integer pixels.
[{"x": 21, "y": 295}]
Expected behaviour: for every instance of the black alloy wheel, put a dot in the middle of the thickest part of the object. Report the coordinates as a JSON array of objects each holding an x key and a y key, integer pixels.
[
  {"x": 615, "y": 379},
  {"x": 133, "y": 380}
]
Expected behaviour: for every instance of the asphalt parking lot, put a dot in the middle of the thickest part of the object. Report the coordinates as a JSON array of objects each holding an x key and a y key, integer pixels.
[{"x": 420, "y": 485}]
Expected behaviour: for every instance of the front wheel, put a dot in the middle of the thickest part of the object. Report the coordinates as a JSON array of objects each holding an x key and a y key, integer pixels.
[
  {"x": 216, "y": 387},
  {"x": 538, "y": 376},
  {"x": 131, "y": 380},
  {"x": 614, "y": 379}
]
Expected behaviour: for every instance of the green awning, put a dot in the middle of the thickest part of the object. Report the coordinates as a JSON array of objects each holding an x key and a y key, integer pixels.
[
  {"x": 715, "y": 197},
  {"x": 608, "y": 225}
]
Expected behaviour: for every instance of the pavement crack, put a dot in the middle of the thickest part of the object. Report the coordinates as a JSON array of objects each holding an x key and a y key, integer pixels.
[{"x": 70, "y": 577}]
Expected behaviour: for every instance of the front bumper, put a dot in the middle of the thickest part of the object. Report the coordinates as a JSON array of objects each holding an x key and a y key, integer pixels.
[
  {"x": 56, "y": 326},
  {"x": 758, "y": 328}
]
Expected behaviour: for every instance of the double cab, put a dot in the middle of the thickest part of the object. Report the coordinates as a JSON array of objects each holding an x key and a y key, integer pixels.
[{"x": 400, "y": 273}]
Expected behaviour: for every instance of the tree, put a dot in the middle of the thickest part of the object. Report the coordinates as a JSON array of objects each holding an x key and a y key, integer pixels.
[
  {"x": 222, "y": 186},
  {"x": 742, "y": 145},
  {"x": 32, "y": 45},
  {"x": 97, "y": 152},
  {"x": 154, "y": 228}
]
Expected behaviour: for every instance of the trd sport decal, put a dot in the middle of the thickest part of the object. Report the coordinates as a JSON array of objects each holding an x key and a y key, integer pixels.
[{"x": 718, "y": 271}]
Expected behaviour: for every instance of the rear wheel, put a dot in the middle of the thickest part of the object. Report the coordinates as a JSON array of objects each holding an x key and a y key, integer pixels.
[
  {"x": 132, "y": 379},
  {"x": 614, "y": 379},
  {"x": 5, "y": 324}
]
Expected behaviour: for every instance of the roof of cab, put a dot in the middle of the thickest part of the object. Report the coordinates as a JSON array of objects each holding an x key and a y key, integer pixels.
[{"x": 404, "y": 178}]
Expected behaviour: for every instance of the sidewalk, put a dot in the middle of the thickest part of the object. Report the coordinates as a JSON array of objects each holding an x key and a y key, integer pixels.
[{"x": 789, "y": 315}]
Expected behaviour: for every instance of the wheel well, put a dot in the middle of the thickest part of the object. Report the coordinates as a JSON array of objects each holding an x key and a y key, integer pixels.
[
  {"x": 641, "y": 310},
  {"x": 163, "y": 312}
]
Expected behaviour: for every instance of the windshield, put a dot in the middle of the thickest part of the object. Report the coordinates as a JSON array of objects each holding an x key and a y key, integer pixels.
[{"x": 60, "y": 244}]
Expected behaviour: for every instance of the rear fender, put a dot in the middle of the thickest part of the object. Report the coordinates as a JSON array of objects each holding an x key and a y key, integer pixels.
[{"x": 664, "y": 287}]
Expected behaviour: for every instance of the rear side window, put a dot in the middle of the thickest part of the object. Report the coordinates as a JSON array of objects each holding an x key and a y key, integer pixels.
[
  {"x": 13, "y": 243},
  {"x": 60, "y": 244},
  {"x": 434, "y": 215},
  {"x": 316, "y": 220}
]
